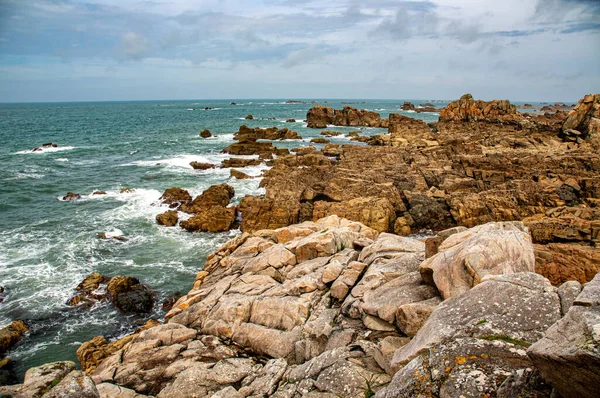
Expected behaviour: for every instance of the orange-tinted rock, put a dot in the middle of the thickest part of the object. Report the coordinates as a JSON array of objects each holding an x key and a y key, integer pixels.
[
  {"x": 211, "y": 219},
  {"x": 561, "y": 262},
  {"x": 175, "y": 197},
  {"x": 239, "y": 162},
  {"x": 466, "y": 109},
  {"x": 249, "y": 147},
  {"x": 585, "y": 118},
  {"x": 201, "y": 166},
  {"x": 319, "y": 116},
  {"x": 168, "y": 218},
  {"x": 238, "y": 175},
  {"x": 216, "y": 195},
  {"x": 262, "y": 213},
  {"x": 11, "y": 334},
  {"x": 129, "y": 295},
  {"x": 273, "y": 133}
]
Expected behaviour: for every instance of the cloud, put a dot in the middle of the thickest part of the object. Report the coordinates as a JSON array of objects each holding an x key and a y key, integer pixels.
[{"x": 133, "y": 46}]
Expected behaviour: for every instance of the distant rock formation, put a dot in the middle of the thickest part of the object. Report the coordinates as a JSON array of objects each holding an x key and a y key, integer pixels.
[{"x": 321, "y": 116}]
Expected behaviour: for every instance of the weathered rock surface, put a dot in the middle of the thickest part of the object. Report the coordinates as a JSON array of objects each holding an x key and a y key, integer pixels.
[
  {"x": 11, "y": 334},
  {"x": 202, "y": 166},
  {"x": 568, "y": 357},
  {"x": 271, "y": 294},
  {"x": 239, "y": 162},
  {"x": 473, "y": 342},
  {"x": 320, "y": 116},
  {"x": 585, "y": 119},
  {"x": 466, "y": 109},
  {"x": 273, "y": 133},
  {"x": 53, "y": 380},
  {"x": 465, "y": 258},
  {"x": 216, "y": 195},
  {"x": 205, "y": 133},
  {"x": 175, "y": 197},
  {"x": 238, "y": 175},
  {"x": 168, "y": 218},
  {"x": 211, "y": 219}
]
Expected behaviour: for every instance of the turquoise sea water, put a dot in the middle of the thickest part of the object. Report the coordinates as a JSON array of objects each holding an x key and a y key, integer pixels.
[{"x": 48, "y": 246}]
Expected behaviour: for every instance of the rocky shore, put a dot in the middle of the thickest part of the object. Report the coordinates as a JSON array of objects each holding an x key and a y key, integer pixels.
[{"x": 324, "y": 294}]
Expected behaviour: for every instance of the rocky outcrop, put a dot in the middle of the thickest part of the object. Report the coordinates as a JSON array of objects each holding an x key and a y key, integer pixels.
[
  {"x": 249, "y": 117},
  {"x": 175, "y": 197},
  {"x": 126, "y": 293},
  {"x": 201, "y": 166},
  {"x": 324, "y": 309},
  {"x": 568, "y": 357},
  {"x": 407, "y": 106},
  {"x": 466, "y": 109},
  {"x": 249, "y": 147},
  {"x": 70, "y": 196},
  {"x": 11, "y": 335},
  {"x": 319, "y": 116},
  {"x": 585, "y": 120},
  {"x": 205, "y": 133},
  {"x": 238, "y": 175},
  {"x": 273, "y": 133},
  {"x": 210, "y": 210},
  {"x": 322, "y": 116},
  {"x": 408, "y": 131},
  {"x": 216, "y": 195},
  {"x": 53, "y": 380},
  {"x": 239, "y": 162},
  {"x": 168, "y": 218}
]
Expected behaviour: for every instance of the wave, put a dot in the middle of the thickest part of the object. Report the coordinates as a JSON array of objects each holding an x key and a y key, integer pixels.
[
  {"x": 62, "y": 160},
  {"x": 45, "y": 150}
]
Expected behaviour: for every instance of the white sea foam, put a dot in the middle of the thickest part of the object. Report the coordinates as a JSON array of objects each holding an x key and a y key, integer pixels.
[
  {"x": 45, "y": 150},
  {"x": 62, "y": 160}
]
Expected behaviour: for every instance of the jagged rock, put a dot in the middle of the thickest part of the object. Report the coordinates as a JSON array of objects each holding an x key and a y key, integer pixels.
[
  {"x": 568, "y": 292},
  {"x": 214, "y": 196},
  {"x": 249, "y": 117},
  {"x": 273, "y": 133},
  {"x": 408, "y": 131},
  {"x": 129, "y": 295},
  {"x": 319, "y": 140},
  {"x": 465, "y": 258},
  {"x": 92, "y": 352},
  {"x": 568, "y": 357},
  {"x": 249, "y": 147},
  {"x": 258, "y": 213},
  {"x": 239, "y": 162},
  {"x": 319, "y": 116},
  {"x": 202, "y": 166},
  {"x": 11, "y": 334},
  {"x": 377, "y": 213},
  {"x": 328, "y": 133},
  {"x": 211, "y": 219},
  {"x": 175, "y": 197},
  {"x": 466, "y": 109},
  {"x": 71, "y": 196},
  {"x": 205, "y": 133},
  {"x": 585, "y": 118},
  {"x": 238, "y": 175},
  {"x": 168, "y": 218},
  {"x": 407, "y": 106}
]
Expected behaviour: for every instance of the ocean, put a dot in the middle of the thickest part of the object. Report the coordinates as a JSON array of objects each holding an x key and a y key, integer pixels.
[{"x": 48, "y": 246}]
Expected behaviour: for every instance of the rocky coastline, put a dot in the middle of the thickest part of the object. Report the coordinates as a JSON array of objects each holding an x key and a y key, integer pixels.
[{"x": 327, "y": 292}]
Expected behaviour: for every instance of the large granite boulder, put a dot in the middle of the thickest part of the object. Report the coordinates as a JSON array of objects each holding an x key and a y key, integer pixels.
[
  {"x": 245, "y": 133},
  {"x": 568, "y": 356},
  {"x": 465, "y": 258},
  {"x": 168, "y": 218},
  {"x": 211, "y": 219},
  {"x": 473, "y": 342}
]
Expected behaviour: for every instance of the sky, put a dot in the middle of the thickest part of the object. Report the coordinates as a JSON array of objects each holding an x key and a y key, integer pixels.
[{"x": 103, "y": 50}]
